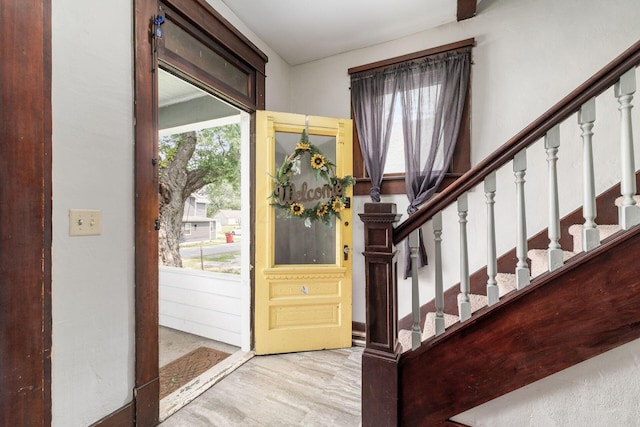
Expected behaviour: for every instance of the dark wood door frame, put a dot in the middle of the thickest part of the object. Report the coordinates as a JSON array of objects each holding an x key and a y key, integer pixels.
[
  {"x": 25, "y": 204},
  {"x": 147, "y": 385},
  {"x": 25, "y": 213},
  {"x": 206, "y": 20}
]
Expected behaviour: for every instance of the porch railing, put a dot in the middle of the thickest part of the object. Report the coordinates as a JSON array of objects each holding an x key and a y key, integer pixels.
[{"x": 383, "y": 347}]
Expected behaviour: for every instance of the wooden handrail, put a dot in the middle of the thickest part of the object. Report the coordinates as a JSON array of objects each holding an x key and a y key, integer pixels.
[{"x": 569, "y": 105}]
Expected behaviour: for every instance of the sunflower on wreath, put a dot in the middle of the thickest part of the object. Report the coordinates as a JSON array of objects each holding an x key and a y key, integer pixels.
[{"x": 315, "y": 204}]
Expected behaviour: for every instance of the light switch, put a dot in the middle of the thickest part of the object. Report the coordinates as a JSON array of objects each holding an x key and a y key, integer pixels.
[{"x": 85, "y": 222}]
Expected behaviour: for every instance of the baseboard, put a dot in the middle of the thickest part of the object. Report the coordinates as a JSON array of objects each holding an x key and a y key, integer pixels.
[
  {"x": 120, "y": 418},
  {"x": 358, "y": 326},
  {"x": 358, "y": 336}
]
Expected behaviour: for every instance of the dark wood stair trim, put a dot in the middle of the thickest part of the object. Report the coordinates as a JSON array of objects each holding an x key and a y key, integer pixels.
[{"x": 570, "y": 315}]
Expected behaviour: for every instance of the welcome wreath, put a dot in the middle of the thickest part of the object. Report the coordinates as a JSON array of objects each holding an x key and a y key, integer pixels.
[{"x": 292, "y": 202}]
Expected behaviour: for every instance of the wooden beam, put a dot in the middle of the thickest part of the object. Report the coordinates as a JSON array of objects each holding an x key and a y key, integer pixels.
[{"x": 466, "y": 9}]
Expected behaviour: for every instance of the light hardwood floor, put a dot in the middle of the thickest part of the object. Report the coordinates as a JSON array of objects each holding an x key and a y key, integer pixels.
[{"x": 319, "y": 388}]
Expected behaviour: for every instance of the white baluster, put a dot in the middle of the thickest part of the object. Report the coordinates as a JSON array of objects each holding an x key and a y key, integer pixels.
[
  {"x": 493, "y": 293},
  {"x": 522, "y": 268},
  {"x": 464, "y": 304},
  {"x": 590, "y": 232},
  {"x": 629, "y": 212},
  {"x": 437, "y": 232},
  {"x": 554, "y": 252},
  {"x": 414, "y": 244}
]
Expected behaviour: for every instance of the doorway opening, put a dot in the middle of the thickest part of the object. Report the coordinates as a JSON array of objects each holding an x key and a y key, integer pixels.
[
  {"x": 194, "y": 42},
  {"x": 203, "y": 241}
]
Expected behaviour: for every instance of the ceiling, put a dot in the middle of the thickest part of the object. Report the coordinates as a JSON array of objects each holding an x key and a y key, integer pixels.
[
  {"x": 303, "y": 31},
  {"x": 183, "y": 106},
  {"x": 174, "y": 90}
]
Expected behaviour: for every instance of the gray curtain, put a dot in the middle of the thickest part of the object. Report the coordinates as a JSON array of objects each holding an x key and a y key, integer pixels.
[
  {"x": 432, "y": 95},
  {"x": 373, "y": 103}
]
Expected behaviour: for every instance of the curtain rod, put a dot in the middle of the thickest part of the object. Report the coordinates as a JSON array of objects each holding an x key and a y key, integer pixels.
[{"x": 411, "y": 56}]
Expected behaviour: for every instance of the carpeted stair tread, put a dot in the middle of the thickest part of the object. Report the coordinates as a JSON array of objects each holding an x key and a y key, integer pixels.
[
  {"x": 404, "y": 338},
  {"x": 618, "y": 201},
  {"x": 429, "y": 329},
  {"x": 539, "y": 261},
  {"x": 606, "y": 230},
  {"x": 477, "y": 302},
  {"x": 506, "y": 283}
]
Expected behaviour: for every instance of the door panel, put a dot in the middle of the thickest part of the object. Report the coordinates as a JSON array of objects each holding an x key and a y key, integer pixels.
[{"x": 303, "y": 278}]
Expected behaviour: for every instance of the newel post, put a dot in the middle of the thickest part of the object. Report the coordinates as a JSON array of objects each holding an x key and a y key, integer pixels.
[{"x": 380, "y": 357}]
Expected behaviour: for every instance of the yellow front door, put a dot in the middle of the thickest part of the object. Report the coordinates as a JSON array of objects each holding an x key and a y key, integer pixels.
[{"x": 302, "y": 259}]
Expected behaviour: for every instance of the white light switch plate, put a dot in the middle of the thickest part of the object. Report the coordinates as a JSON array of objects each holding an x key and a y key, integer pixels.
[{"x": 85, "y": 222}]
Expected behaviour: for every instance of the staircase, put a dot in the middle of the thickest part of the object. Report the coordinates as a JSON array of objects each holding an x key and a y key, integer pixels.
[
  {"x": 506, "y": 282},
  {"x": 563, "y": 294}
]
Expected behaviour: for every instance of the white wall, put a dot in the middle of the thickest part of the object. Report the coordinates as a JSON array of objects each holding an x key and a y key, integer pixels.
[
  {"x": 278, "y": 90},
  {"x": 562, "y": 43},
  {"x": 602, "y": 391},
  {"x": 201, "y": 303},
  {"x": 528, "y": 55},
  {"x": 93, "y": 277},
  {"x": 93, "y": 168}
]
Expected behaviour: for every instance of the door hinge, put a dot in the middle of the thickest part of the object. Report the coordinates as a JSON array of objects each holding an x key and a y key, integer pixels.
[{"x": 156, "y": 225}]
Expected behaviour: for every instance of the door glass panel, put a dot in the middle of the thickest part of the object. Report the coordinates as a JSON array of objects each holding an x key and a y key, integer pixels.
[{"x": 296, "y": 243}]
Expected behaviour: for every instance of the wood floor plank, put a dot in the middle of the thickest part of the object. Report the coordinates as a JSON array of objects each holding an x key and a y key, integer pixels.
[{"x": 319, "y": 388}]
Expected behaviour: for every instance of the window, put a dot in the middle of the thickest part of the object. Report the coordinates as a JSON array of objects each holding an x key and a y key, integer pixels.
[
  {"x": 187, "y": 229},
  {"x": 395, "y": 163},
  {"x": 206, "y": 50},
  {"x": 393, "y": 179},
  {"x": 201, "y": 209}
]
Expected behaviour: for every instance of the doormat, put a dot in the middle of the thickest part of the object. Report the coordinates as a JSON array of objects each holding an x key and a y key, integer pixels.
[{"x": 179, "y": 372}]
